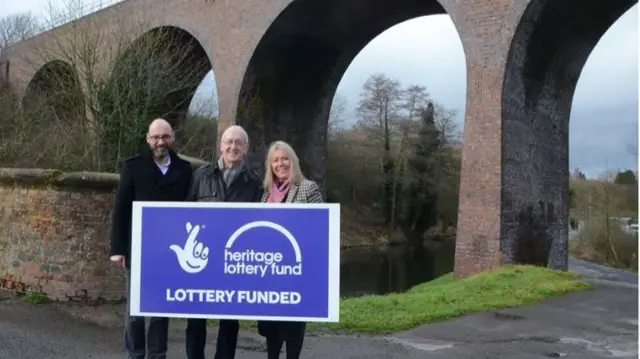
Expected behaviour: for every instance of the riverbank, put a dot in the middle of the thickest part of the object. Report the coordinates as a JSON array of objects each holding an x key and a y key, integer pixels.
[{"x": 446, "y": 297}]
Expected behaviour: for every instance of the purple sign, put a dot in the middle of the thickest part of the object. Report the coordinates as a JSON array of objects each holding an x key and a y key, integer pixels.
[{"x": 242, "y": 261}]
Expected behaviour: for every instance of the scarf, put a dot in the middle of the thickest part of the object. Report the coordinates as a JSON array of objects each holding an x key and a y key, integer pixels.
[
  {"x": 229, "y": 174},
  {"x": 277, "y": 193}
]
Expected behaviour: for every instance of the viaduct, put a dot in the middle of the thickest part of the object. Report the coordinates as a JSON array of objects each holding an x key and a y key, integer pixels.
[{"x": 523, "y": 60}]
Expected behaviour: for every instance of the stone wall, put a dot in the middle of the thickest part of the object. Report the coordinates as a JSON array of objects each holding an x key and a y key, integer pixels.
[{"x": 54, "y": 231}]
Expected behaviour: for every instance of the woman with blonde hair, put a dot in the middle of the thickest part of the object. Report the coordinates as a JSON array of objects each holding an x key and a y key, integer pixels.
[{"x": 285, "y": 183}]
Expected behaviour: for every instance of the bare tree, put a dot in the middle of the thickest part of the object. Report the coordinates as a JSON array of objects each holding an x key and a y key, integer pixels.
[
  {"x": 107, "y": 86},
  {"x": 445, "y": 121},
  {"x": 380, "y": 101},
  {"x": 414, "y": 101},
  {"x": 356, "y": 178},
  {"x": 196, "y": 134},
  {"x": 16, "y": 28},
  {"x": 337, "y": 114},
  {"x": 608, "y": 196}
]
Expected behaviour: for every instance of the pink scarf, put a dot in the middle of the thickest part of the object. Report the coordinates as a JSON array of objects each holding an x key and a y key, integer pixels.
[{"x": 277, "y": 193}]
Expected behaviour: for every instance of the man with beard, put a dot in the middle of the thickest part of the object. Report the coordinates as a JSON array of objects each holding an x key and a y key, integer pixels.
[
  {"x": 229, "y": 179},
  {"x": 156, "y": 174}
]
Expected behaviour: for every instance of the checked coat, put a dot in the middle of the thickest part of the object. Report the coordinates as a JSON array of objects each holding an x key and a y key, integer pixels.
[{"x": 293, "y": 332}]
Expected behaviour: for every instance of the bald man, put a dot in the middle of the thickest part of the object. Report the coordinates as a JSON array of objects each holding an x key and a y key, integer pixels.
[{"x": 155, "y": 174}]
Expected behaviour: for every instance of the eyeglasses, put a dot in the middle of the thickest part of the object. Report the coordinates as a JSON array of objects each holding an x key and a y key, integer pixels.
[
  {"x": 157, "y": 138},
  {"x": 237, "y": 142}
]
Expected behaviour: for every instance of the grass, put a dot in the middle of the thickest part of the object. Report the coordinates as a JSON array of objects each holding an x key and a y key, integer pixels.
[
  {"x": 34, "y": 297},
  {"x": 445, "y": 297}
]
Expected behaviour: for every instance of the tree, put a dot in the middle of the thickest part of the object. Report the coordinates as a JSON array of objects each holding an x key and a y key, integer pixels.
[
  {"x": 337, "y": 114},
  {"x": 578, "y": 175},
  {"x": 421, "y": 207},
  {"x": 197, "y": 133},
  {"x": 119, "y": 84},
  {"x": 16, "y": 28},
  {"x": 378, "y": 108},
  {"x": 346, "y": 158},
  {"x": 447, "y": 127},
  {"x": 627, "y": 186},
  {"x": 603, "y": 227},
  {"x": 626, "y": 178},
  {"x": 355, "y": 166},
  {"x": 571, "y": 197},
  {"x": 414, "y": 101},
  {"x": 156, "y": 76},
  {"x": 374, "y": 165},
  {"x": 603, "y": 209}
]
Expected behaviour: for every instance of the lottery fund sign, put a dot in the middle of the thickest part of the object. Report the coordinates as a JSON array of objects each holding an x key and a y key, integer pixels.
[{"x": 236, "y": 261}]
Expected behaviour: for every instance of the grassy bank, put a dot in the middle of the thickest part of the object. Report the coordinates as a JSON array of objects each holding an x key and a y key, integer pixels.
[{"x": 444, "y": 297}]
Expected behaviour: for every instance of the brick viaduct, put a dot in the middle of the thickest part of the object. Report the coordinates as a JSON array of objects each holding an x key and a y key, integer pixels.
[{"x": 523, "y": 61}]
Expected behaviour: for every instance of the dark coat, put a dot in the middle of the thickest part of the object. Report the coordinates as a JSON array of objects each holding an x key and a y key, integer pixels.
[
  {"x": 142, "y": 180},
  {"x": 208, "y": 186},
  {"x": 304, "y": 192}
]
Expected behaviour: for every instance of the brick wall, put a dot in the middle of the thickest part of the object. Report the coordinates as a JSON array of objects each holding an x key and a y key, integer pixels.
[{"x": 54, "y": 234}]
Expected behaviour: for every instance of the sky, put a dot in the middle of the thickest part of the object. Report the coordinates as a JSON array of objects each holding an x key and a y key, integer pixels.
[{"x": 427, "y": 51}]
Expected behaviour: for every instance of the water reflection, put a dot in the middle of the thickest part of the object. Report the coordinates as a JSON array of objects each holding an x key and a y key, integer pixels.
[{"x": 392, "y": 269}]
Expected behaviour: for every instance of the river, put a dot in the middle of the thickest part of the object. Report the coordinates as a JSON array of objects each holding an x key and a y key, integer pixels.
[{"x": 394, "y": 268}]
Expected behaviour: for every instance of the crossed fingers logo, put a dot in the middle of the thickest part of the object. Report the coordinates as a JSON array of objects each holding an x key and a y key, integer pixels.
[{"x": 193, "y": 256}]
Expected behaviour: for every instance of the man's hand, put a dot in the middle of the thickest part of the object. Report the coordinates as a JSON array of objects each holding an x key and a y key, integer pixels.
[{"x": 118, "y": 259}]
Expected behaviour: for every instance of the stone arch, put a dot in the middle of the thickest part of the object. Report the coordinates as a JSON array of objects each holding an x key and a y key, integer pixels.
[
  {"x": 550, "y": 46},
  {"x": 55, "y": 90},
  {"x": 293, "y": 73},
  {"x": 154, "y": 76},
  {"x": 167, "y": 63}
]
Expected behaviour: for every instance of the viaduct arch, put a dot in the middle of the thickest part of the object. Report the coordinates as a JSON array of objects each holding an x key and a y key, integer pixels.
[
  {"x": 548, "y": 51},
  {"x": 277, "y": 64},
  {"x": 168, "y": 59},
  {"x": 56, "y": 86}
]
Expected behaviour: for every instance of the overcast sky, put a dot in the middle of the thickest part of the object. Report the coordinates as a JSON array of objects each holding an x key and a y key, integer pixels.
[{"x": 428, "y": 51}]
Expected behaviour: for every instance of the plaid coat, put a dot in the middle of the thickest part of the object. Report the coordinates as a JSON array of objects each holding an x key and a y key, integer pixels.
[{"x": 305, "y": 192}]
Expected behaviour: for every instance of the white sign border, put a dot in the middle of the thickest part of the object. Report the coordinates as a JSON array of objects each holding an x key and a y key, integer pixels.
[{"x": 333, "y": 315}]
